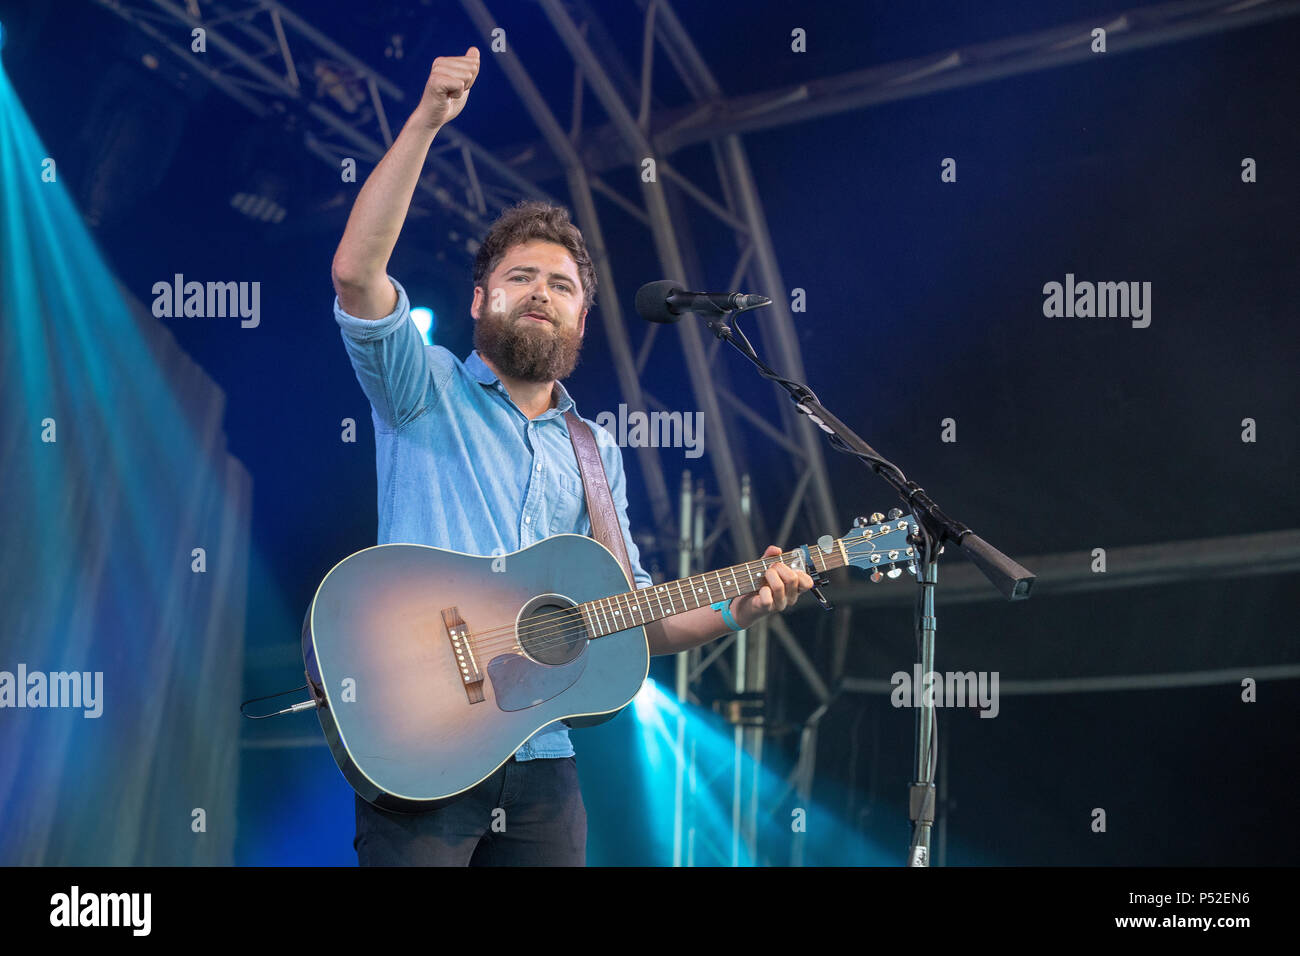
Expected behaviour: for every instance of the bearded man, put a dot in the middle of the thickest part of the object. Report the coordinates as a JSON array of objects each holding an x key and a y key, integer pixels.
[{"x": 475, "y": 456}]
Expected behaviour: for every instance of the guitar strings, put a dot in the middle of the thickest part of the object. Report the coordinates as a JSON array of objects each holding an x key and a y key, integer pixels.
[
  {"x": 538, "y": 631},
  {"x": 503, "y": 636},
  {"x": 542, "y": 631}
]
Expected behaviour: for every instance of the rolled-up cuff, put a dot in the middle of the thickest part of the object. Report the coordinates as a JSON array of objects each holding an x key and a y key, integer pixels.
[{"x": 367, "y": 330}]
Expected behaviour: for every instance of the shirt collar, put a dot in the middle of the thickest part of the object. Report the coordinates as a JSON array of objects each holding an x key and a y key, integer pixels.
[{"x": 476, "y": 367}]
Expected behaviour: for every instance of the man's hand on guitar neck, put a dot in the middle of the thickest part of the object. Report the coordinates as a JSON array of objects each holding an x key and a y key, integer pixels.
[
  {"x": 783, "y": 587},
  {"x": 681, "y": 632}
]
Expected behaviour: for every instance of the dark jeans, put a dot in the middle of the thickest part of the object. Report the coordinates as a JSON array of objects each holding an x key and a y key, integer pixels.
[{"x": 528, "y": 813}]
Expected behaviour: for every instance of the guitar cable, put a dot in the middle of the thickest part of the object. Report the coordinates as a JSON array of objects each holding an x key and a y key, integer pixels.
[{"x": 296, "y": 708}]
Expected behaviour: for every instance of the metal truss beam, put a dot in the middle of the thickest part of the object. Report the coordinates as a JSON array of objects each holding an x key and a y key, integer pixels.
[
  {"x": 670, "y": 257},
  {"x": 714, "y": 116},
  {"x": 580, "y": 189},
  {"x": 343, "y": 104}
]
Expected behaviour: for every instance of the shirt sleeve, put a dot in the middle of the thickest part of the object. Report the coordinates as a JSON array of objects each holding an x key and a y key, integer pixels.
[
  {"x": 390, "y": 360},
  {"x": 612, "y": 456}
]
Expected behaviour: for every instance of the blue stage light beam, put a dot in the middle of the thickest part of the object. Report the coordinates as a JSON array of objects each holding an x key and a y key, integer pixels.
[
  {"x": 111, "y": 475},
  {"x": 425, "y": 321},
  {"x": 709, "y": 794}
]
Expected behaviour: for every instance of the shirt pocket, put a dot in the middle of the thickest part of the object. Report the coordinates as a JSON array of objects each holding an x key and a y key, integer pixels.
[{"x": 568, "y": 505}]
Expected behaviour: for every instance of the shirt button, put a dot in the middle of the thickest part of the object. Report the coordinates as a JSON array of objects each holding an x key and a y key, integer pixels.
[
  {"x": 539, "y": 467},
  {"x": 528, "y": 519}
]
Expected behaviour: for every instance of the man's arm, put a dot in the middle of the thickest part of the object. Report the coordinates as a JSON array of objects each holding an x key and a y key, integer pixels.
[
  {"x": 782, "y": 584},
  {"x": 681, "y": 632},
  {"x": 360, "y": 268}
]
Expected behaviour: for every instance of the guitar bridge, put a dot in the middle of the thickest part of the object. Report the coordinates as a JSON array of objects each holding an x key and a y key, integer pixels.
[{"x": 466, "y": 665}]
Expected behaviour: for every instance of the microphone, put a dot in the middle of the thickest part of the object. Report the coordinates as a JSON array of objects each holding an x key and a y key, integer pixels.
[{"x": 665, "y": 301}]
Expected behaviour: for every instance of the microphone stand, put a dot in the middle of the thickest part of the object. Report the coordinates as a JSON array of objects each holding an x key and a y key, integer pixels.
[{"x": 934, "y": 529}]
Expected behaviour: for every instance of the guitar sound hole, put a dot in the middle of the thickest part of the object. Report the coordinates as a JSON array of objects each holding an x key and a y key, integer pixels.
[{"x": 551, "y": 633}]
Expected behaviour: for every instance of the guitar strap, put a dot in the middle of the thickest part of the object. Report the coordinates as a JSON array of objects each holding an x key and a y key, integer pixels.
[{"x": 605, "y": 526}]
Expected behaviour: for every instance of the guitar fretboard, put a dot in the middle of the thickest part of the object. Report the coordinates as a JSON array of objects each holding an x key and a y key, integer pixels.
[{"x": 634, "y": 608}]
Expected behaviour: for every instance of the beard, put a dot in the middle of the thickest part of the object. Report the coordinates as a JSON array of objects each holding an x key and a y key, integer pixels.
[{"x": 523, "y": 349}]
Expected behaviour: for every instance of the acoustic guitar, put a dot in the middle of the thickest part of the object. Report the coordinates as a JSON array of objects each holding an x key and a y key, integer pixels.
[{"x": 431, "y": 667}]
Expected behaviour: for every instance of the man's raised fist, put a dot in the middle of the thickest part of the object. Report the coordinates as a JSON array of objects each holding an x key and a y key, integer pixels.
[{"x": 448, "y": 87}]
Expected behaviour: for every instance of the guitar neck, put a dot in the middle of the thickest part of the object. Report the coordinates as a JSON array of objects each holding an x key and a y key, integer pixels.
[{"x": 644, "y": 606}]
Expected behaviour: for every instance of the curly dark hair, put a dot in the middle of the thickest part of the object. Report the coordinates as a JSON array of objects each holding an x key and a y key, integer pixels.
[{"x": 529, "y": 221}]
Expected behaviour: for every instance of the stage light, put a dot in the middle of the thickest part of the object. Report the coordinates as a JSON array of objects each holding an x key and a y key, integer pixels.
[
  {"x": 675, "y": 735},
  {"x": 643, "y": 704},
  {"x": 261, "y": 208},
  {"x": 425, "y": 321}
]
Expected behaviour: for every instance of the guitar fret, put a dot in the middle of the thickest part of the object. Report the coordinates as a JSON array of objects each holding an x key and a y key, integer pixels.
[
  {"x": 697, "y": 589},
  {"x": 631, "y": 608},
  {"x": 619, "y": 612}
]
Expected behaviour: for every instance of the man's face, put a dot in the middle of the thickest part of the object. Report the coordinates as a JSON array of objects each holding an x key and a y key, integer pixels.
[{"x": 531, "y": 318}]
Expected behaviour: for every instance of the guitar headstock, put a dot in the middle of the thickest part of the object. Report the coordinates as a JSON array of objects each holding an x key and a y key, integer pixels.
[{"x": 879, "y": 542}]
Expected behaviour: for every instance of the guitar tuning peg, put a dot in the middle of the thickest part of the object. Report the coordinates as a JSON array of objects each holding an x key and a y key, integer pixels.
[
  {"x": 876, "y": 575},
  {"x": 893, "y": 572},
  {"x": 860, "y": 522},
  {"x": 911, "y": 567},
  {"x": 877, "y": 517},
  {"x": 895, "y": 513}
]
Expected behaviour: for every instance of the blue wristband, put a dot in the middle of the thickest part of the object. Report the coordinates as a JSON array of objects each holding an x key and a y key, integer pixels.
[{"x": 727, "y": 619}]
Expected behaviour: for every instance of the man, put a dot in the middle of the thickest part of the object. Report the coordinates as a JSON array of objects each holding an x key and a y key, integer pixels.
[{"x": 475, "y": 456}]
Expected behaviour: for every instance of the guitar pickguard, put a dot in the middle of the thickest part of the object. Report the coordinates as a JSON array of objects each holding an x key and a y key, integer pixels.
[{"x": 519, "y": 683}]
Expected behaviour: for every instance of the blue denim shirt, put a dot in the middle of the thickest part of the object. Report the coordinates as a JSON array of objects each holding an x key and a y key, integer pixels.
[{"x": 461, "y": 467}]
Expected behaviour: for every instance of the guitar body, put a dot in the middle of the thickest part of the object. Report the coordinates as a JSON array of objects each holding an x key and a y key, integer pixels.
[{"x": 396, "y": 702}]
